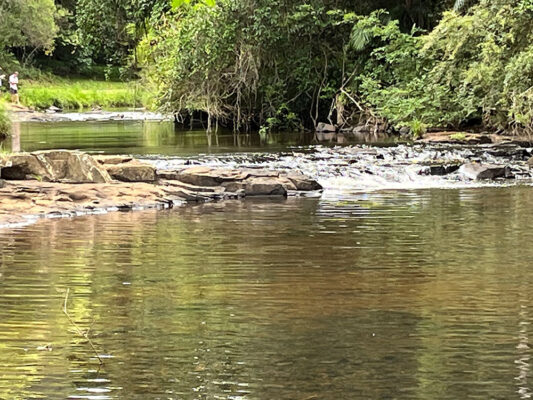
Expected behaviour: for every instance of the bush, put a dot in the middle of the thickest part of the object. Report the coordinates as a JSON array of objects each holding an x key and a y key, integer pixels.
[
  {"x": 5, "y": 121},
  {"x": 476, "y": 67}
]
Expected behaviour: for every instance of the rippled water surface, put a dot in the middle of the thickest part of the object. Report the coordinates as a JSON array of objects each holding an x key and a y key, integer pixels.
[{"x": 421, "y": 294}]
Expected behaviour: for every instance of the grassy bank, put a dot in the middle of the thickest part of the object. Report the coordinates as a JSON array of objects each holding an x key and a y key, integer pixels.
[
  {"x": 81, "y": 94},
  {"x": 5, "y": 121}
]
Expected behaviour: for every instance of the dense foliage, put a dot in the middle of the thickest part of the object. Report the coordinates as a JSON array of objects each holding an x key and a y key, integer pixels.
[
  {"x": 27, "y": 24},
  {"x": 286, "y": 64},
  {"x": 5, "y": 122},
  {"x": 472, "y": 68}
]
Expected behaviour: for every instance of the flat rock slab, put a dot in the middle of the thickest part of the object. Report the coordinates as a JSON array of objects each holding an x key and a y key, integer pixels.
[
  {"x": 456, "y": 138},
  {"x": 254, "y": 182},
  {"x": 65, "y": 182},
  {"x": 20, "y": 198},
  {"x": 53, "y": 166}
]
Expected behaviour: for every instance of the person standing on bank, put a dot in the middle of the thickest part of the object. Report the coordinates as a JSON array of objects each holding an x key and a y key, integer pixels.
[{"x": 14, "y": 88}]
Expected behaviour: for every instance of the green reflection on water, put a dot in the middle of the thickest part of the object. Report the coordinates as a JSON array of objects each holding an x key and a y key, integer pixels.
[
  {"x": 406, "y": 295},
  {"x": 149, "y": 137}
]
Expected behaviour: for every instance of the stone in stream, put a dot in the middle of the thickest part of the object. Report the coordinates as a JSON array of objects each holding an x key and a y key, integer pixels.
[
  {"x": 323, "y": 127},
  {"x": 530, "y": 162},
  {"x": 131, "y": 171},
  {"x": 485, "y": 171},
  {"x": 207, "y": 176},
  {"x": 264, "y": 186},
  {"x": 455, "y": 138},
  {"x": 54, "y": 166},
  {"x": 443, "y": 169},
  {"x": 254, "y": 182},
  {"x": 112, "y": 159}
]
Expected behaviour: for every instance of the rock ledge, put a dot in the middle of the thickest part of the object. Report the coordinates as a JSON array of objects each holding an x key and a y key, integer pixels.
[{"x": 63, "y": 182}]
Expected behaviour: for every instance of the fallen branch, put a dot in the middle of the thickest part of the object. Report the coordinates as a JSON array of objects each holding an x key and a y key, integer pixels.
[{"x": 80, "y": 332}]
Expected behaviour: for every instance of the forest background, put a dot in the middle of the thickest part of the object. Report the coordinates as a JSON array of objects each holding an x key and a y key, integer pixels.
[{"x": 281, "y": 64}]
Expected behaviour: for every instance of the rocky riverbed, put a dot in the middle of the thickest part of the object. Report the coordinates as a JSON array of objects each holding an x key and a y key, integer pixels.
[
  {"x": 54, "y": 114},
  {"x": 68, "y": 183}
]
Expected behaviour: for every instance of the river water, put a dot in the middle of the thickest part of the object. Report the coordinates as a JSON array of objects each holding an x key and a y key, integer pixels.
[{"x": 398, "y": 293}]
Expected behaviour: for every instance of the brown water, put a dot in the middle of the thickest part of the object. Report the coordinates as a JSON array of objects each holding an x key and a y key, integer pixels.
[{"x": 393, "y": 295}]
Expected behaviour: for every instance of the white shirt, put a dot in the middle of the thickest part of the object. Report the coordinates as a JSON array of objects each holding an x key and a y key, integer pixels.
[{"x": 13, "y": 82}]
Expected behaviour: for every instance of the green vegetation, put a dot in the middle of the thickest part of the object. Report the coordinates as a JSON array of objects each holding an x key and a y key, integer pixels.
[
  {"x": 284, "y": 64},
  {"x": 287, "y": 63},
  {"x": 5, "y": 121},
  {"x": 77, "y": 94}
]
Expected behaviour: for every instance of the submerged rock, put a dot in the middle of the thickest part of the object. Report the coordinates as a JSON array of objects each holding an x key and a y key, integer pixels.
[
  {"x": 54, "y": 166},
  {"x": 485, "y": 171}
]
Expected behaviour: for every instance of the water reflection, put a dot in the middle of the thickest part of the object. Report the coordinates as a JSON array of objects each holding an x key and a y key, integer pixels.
[
  {"x": 151, "y": 137},
  {"x": 392, "y": 295}
]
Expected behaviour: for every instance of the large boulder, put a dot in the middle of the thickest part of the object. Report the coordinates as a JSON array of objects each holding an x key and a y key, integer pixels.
[
  {"x": 484, "y": 171},
  {"x": 131, "y": 171},
  {"x": 54, "y": 166}
]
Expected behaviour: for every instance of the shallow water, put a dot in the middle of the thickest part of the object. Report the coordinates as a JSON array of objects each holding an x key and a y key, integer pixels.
[
  {"x": 363, "y": 293},
  {"x": 393, "y": 295}
]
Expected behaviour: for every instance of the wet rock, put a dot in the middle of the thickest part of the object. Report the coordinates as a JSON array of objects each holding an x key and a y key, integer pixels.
[
  {"x": 404, "y": 131},
  {"x": 456, "y": 138},
  {"x": 207, "y": 176},
  {"x": 323, "y": 127},
  {"x": 264, "y": 187},
  {"x": 443, "y": 169},
  {"x": 2, "y": 183},
  {"x": 53, "y": 109},
  {"x": 54, "y": 166},
  {"x": 530, "y": 162},
  {"x": 484, "y": 171},
  {"x": 112, "y": 159},
  {"x": 302, "y": 182},
  {"x": 131, "y": 171},
  {"x": 167, "y": 174}
]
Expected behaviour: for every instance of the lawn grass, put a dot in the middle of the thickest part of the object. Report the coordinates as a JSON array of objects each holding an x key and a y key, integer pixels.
[{"x": 78, "y": 94}]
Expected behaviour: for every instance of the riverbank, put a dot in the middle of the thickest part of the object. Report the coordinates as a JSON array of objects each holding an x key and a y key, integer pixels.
[
  {"x": 69, "y": 183},
  {"x": 53, "y": 114},
  {"x": 77, "y": 94}
]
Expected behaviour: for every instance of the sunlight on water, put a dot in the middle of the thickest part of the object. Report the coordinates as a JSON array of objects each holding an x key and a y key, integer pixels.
[{"x": 406, "y": 295}]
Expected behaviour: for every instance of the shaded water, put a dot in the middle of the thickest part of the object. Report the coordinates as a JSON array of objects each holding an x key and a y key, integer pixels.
[
  {"x": 151, "y": 137},
  {"x": 422, "y": 294}
]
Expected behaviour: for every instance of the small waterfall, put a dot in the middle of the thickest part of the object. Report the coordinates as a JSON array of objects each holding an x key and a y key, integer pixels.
[{"x": 366, "y": 168}]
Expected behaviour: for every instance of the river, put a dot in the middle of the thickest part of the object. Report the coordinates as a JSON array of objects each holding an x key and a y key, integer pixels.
[{"x": 418, "y": 288}]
